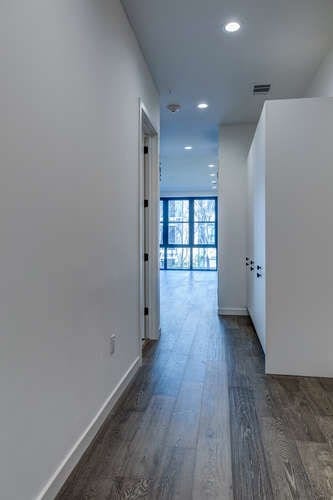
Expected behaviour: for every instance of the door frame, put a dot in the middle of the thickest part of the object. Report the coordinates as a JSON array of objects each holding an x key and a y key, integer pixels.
[{"x": 146, "y": 129}]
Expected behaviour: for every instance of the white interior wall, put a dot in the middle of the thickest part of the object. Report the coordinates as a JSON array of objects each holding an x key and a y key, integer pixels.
[
  {"x": 299, "y": 274},
  {"x": 234, "y": 144},
  {"x": 235, "y": 141},
  {"x": 322, "y": 83},
  {"x": 191, "y": 194},
  {"x": 72, "y": 75}
]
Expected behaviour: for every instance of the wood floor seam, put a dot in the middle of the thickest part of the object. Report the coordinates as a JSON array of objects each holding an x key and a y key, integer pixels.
[{"x": 202, "y": 421}]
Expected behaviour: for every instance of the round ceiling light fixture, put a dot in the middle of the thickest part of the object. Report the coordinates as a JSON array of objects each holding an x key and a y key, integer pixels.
[
  {"x": 188, "y": 148},
  {"x": 211, "y": 165},
  {"x": 232, "y": 27},
  {"x": 202, "y": 105},
  {"x": 212, "y": 175},
  {"x": 214, "y": 187}
]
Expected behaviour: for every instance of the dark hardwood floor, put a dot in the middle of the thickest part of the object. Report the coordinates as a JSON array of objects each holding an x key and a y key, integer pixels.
[{"x": 203, "y": 421}]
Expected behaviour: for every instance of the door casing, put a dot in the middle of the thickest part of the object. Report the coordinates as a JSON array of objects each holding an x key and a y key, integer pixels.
[{"x": 149, "y": 280}]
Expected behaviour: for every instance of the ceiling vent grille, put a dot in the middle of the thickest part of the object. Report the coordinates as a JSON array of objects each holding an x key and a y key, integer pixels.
[{"x": 261, "y": 89}]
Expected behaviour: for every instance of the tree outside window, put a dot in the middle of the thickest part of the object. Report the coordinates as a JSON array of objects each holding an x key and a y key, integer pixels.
[{"x": 188, "y": 233}]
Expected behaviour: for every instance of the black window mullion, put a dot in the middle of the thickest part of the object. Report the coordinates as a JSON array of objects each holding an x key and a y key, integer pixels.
[
  {"x": 191, "y": 230},
  {"x": 165, "y": 230},
  {"x": 165, "y": 245},
  {"x": 165, "y": 222}
]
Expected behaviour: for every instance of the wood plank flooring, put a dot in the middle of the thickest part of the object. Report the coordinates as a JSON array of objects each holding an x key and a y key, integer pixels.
[{"x": 202, "y": 420}]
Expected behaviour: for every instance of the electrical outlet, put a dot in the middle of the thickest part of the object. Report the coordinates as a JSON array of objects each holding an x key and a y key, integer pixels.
[{"x": 112, "y": 344}]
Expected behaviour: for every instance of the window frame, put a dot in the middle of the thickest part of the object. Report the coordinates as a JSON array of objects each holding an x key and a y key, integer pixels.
[{"x": 191, "y": 221}]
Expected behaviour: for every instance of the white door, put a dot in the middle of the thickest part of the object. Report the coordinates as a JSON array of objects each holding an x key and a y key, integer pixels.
[
  {"x": 250, "y": 234},
  {"x": 149, "y": 299},
  {"x": 258, "y": 231},
  {"x": 146, "y": 235}
]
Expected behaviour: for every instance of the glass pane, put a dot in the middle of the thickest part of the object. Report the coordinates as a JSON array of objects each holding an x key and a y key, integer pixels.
[
  {"x": 204, "y": 210},
  {"x": 178, "y": 233},
  {"x": 161, "y": 233},
  {"x": 204, "y": 258},
  {"x": 162, "y": 258},
  {"x": 178, "y": 258},
  {"x": 204, "y": 233},
  {"x": 161, "y": 211},
  {"x": 178, "y": 210}
]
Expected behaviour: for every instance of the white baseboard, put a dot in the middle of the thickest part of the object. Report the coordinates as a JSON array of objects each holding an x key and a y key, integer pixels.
[
  {"x": 56, "y": 482},
  {"x": 233, "y": 311}
]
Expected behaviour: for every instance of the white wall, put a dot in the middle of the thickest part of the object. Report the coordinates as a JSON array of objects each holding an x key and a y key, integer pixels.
[
  {"x": 179, "y": 194},
  {"x": 322, "y": 83},
  {"x": 299, "y": 272},
  {"x": 235, "y": 141},
  {"x": 72, "y": 74}
]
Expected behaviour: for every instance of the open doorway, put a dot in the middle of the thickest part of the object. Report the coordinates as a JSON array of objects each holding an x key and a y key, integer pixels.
[
  {"x": 188, "y": 262},
  {"x": 189, "y": 225}
]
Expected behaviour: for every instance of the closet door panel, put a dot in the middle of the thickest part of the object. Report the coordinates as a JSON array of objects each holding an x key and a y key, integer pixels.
[
  {"x": 257, "y": 230},
  {"x": 259, "y": 234},
  {"x": 250, "y": 233}
]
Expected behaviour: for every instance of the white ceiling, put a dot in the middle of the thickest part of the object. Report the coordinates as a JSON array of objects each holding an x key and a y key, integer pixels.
[{"x": 281, "y": 42}]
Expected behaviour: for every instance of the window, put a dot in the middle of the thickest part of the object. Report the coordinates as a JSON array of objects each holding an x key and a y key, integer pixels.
[{"x": 188, "y": 233}]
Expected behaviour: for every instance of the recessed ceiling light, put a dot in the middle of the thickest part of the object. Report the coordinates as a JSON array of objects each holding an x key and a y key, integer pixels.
[
  {"x": 188, "y": 147},
  {"x": 211, "y": 165},
  {"x": 213, "y": 187},
  {"x": 203, "y": 105},
  {"x": 213, "y": 182},
  {"x": 232, "y": 27},
  {"x": 212, "y": 174}
]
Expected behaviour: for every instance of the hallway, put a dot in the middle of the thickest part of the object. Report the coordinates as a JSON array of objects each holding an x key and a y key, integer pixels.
[{"x": 202, "y": 421}]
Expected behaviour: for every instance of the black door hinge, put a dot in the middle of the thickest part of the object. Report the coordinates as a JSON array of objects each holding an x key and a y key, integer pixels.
[
  {"x": 145, "y": 150},
  {"x": 145, "y": 204},
  {"x": 146, "y": 311},
  {"x": 146, "y": 257}
]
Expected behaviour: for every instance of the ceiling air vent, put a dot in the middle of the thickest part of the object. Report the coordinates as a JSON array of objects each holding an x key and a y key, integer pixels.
[{"x": 261, "y": 89}]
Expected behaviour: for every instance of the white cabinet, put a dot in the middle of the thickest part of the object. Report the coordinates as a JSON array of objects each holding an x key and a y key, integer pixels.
[{"x": 290, "y": 236}]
